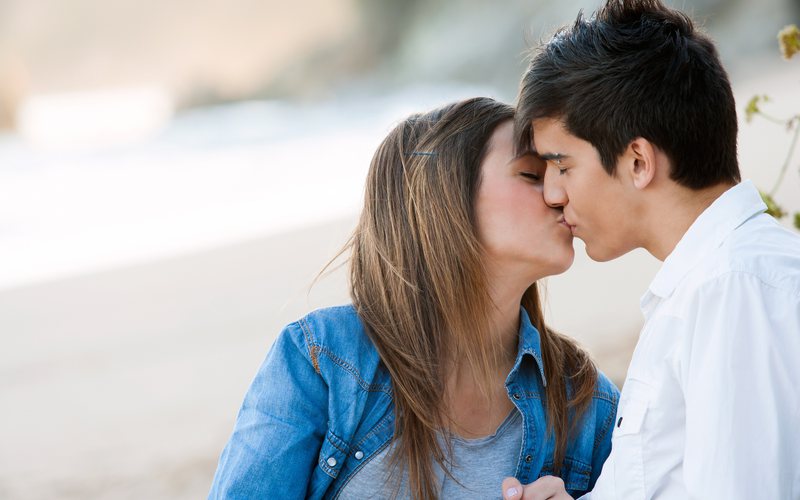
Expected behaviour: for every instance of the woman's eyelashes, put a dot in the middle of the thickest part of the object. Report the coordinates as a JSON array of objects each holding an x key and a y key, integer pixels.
[{"x": 532, "y": 176}]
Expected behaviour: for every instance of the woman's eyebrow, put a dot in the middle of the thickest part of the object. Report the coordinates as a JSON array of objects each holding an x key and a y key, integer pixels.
[{"x": 528, "y": 152}]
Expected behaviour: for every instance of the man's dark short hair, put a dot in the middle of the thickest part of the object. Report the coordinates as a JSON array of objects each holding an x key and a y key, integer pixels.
[{"x": 636, "y": 69}]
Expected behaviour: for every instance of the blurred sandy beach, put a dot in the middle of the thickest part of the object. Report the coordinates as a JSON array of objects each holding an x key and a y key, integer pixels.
[{"x": 124, "y": 384}]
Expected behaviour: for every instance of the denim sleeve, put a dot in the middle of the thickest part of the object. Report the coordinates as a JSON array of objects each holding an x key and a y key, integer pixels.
[
  {"x": 278, "y": 433},
  {"x": 606, "y": 415}
]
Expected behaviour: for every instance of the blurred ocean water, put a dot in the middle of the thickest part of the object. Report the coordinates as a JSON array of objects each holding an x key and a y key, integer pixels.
[{"x": 210, "y": 177}]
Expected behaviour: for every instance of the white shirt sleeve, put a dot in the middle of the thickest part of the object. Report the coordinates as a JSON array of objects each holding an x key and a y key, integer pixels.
[{"x": 740, "y": 374}]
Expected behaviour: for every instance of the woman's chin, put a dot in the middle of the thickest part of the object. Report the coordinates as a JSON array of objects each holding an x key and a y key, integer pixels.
[
  {"x": 563, "y": 264},
  {"x": 565, "y": 267},
  {"x": 553, "y": 267}
]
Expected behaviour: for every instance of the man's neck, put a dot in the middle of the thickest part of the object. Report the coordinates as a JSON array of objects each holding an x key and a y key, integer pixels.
[{"x": 672, "y": 214}]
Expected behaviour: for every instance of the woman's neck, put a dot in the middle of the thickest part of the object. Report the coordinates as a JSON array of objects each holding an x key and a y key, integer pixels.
[
  {"x": 503, "y": 323},
  {"x": 506, "y": 288},
  {"x": 471, "y": 411}
]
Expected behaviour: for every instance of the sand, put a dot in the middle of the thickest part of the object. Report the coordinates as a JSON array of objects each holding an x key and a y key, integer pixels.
[{"x": 126, "y": 384}]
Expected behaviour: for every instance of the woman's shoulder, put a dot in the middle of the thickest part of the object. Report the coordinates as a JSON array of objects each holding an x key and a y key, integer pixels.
[
  {"x": 603, "y": 409},
  {"x": 337, "y": 342},
  {"x": 337, "y": 328},
  {"x": 605, "y": 389},
  {"x": 332, "y": 317}
]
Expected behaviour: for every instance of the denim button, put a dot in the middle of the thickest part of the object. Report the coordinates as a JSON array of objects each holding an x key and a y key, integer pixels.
[
  {"x": 516, "y": 395},
  {"x": 332, "y": 462},
  {"x": 528, "y": 459},
  {"x": 359, "y": 455}
]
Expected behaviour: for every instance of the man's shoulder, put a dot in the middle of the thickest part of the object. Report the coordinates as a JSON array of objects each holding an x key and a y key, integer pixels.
[
  {"x": 766, "y": 234},
  {"x": 761, "y": 249},
  {"x": 759, "y": 254}
]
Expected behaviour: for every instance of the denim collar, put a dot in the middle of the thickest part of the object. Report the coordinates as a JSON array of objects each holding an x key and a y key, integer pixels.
[{"x": 529, "y": 344}]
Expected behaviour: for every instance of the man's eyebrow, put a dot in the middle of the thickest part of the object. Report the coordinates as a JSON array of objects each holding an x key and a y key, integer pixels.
[{"x": 552, "y": 156}]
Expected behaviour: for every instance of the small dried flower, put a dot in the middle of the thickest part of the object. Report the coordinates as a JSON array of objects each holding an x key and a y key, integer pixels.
[
  {"x": 752, "y": 106},
  {"x": 773, "y": 208},
  {"x": 789, "y": 41}
]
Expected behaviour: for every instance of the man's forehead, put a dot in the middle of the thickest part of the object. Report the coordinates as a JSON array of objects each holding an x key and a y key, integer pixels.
[
  {"x": 543, "y": 144},
  {"x": 548, "y": 123},
  {"x": 546, "y": 151}
]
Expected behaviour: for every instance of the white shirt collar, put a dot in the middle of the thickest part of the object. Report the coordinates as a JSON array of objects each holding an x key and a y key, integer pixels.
[{"x": 709, "y": 230}]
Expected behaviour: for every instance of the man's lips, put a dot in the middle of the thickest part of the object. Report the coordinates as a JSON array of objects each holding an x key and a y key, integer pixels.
[{"x": 563, "y": 222}]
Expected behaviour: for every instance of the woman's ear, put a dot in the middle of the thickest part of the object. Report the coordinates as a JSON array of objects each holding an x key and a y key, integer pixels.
[{"x": 642, "y": 162}]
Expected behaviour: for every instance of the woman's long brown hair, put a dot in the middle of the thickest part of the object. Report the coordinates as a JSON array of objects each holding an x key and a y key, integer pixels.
[{"x": 418, "y": 283}]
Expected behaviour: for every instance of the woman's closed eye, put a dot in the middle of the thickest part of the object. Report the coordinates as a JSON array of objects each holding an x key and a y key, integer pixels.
[{"x": 532, "y": 176}]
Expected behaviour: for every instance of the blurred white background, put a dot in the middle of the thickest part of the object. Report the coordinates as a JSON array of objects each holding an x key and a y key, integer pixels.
[{"x": 173, "y": 176}]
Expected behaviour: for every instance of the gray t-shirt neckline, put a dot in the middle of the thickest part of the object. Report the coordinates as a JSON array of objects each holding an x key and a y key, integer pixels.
[{"x": 479, "y": 464}]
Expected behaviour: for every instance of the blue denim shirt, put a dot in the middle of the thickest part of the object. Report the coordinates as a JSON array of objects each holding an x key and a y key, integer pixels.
[{"x": 321, "y": 407}]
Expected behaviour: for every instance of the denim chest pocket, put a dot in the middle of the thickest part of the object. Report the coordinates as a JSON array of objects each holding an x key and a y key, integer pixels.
[
  {"x": 575, "y": 474},
  {"x": 627, "y": 441}
]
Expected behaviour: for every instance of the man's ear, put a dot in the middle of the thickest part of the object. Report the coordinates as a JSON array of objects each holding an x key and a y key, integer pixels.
[{"x": 642, "y": 162}]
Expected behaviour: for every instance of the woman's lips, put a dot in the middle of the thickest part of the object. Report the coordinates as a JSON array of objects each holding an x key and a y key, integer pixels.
[{"x": 566, "y": 224}]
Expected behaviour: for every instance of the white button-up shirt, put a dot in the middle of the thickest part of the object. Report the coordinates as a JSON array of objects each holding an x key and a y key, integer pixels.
[{"x": 711, "y": 403}]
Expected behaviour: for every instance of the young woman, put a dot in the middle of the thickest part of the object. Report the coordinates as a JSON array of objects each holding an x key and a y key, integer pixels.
[{"x": 441, "y": 378}]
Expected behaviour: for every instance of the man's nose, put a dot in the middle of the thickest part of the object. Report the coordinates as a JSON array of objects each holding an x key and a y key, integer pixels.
[{"x": 554, "y": 193}]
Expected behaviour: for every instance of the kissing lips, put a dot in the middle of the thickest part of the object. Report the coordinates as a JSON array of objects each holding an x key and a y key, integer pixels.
[{"x": 563, "y": 222}]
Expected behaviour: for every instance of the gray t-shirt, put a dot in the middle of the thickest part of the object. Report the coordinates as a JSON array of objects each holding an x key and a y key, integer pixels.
[{"x": 480, "y": 465}]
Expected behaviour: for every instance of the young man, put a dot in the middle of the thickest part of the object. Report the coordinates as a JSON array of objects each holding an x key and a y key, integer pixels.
[{"x": 635, "y": 117}]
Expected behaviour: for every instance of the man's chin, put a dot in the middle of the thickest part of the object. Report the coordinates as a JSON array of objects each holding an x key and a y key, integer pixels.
[{"x": 602, "y": 254}]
